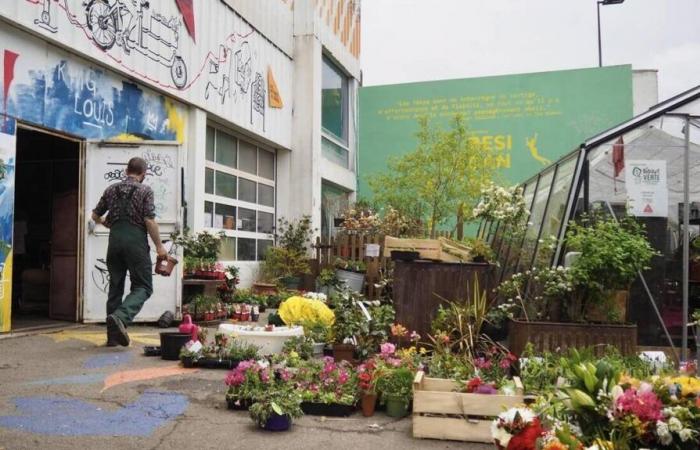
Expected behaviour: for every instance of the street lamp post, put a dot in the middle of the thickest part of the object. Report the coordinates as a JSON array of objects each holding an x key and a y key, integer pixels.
[{"x": 600, "y": 45}]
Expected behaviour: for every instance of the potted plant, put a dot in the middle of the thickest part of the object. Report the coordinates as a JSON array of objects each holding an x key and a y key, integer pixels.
[
  {"x": 396, "y": 387},
  {"x": 349, "y": 322},
  {"x": 200, "y": 253},
  {"x": 480, "y": 250},
  {"x": 246, "y": 382},
  {"x": 327, "y": 282},
  {"x": 367, "y": 383},
  {"x": 275, "y": 409},
  {"x": 351, "y": 273},
  {"x": 327, "y": 387},
  {"x": 286, "y": 265}
]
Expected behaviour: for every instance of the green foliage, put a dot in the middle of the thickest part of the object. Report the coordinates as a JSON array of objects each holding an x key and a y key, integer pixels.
[
  {"x": 242, "y": 351},
  {"x": 377, "y": 330},
  {"x": 203, "y": 303},
  {"x": 327, "y": 278},
  {"x": 445, "y": 172},
  {"x": 302, "y": 345},
  {"x": 611, "y": 252},
  {"x": 294, "y": 235},
  {"x": 480, "y": 248},
  {"x": 282, "y": 400},
  {"x": 281, "y": 262},
  {"x": 351, "y": 265},
  {"x": 349, "y": 319},
  {"x": 397, "y": 384},
  {"x": 202, "y": 246}
]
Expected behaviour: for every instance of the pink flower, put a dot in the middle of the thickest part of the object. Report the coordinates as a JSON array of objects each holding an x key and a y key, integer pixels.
[
  {"x": 343, "y": 377},
  {"x": 482, "y": 363},
  {"x": 394, "y": 362},
  {"x": 504, "y": 364},
  {"x": 645, "y": 405},
  {"x": 387, "y": 348},
  {"x": 414, "y": 336},
  {"x": 265, "y": 376},
  {"x": 285, "y": 375}
]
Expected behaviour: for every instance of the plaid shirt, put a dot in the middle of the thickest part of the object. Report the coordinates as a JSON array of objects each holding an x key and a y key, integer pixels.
[{"x": 137, "y": 211}]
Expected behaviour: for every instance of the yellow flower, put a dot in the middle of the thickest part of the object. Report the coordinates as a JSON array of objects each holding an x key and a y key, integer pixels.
[
  {"x": 626, "y": 379},
  {"x": 296, "y": 310},
  {"x": 688, "y": 385},
  {"x": 293, "y": 354},
  {"x": 423, "y": 351}
]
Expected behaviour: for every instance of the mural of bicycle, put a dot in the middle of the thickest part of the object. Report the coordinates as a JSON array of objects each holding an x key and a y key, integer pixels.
[
  {"x": 100, "y": 273},
  {"x": 131, "y": 25}
]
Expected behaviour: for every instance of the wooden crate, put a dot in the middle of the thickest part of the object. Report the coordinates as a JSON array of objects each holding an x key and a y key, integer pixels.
[
  {"x": 441, "y": 413},
  {"x": 427, "y": 248}
]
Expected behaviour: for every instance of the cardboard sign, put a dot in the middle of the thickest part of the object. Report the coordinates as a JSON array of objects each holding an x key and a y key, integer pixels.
[{"x": 372, "y": 250}]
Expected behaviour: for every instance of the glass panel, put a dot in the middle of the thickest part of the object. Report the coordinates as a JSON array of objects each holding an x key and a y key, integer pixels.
[
  {"x": 210, "y": 143},
  {"x": 208, "y": 215},
  {"x": 209, "y": 181},
  {"x": 263, "y": 245},
  {"x": 225, "y": 149},
  {"x": 266, "y": 222},
  {"x": 266, "y": 195},
  {"x": 225, "y": 217},
  {"x": 246, "y": 190},
  {"x": 510, "y": 247},
  {"x": 536, "y": 218},
  {"x": 247, "y": 218},
  {"x": 247, "y": 157},
  {"x": 225, "y": 185},
  {"x": 334, "y": 202},
  {"x": 227, "y": 252},
  {"x": 266, "y": 164},
  {"x": 556, "y": 210},
  {"x": 335, "y": 153},
  {"x": 334, "y": 100},
  {"x": 246, "y": 249}
]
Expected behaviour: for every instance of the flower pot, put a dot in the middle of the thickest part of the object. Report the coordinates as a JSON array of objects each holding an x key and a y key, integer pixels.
[
  {"x": 245, "y": 317},
  {"x": 344, "y": 352},
  {"x": 318, "y": 348},
  {"x": 354, "y": 280},
  {"x": 396, "y": 407},
  {"x": 613, "y": 307},
  {"x": 404, "y": 255},
  {"x": 264, "y": 289},
  {"x": 369, "y": 403},
  {"x": 277, "y": 423},
  {"x": 187, "y": 362},
  {"x": 291, "y": 282},
  {"x": 171, "y": 343}
]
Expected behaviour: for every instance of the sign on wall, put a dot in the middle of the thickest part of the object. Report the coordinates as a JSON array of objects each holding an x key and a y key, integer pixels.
[
  {"x": 223, "y": 67},
  {"x": 7, "y": 205},
  {"x": 528, "y": 120},
  {"x": 647, "y": 188}
]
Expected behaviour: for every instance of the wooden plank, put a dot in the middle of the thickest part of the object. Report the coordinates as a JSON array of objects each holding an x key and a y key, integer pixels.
[
  {"x": 428, "y": 248},
  {"x": 435, "y": 402},
  {"x": 452, "y": 429},
  {"x": 441, "y": 384}
]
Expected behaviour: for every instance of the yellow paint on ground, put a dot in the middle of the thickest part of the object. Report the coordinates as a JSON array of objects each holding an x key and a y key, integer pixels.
[
  {"x": 151, "y": 373},
  {"x": 99, "y": 338}
]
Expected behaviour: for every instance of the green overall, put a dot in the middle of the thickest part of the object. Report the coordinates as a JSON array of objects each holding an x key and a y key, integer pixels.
[{"x": 128, "y": 251}]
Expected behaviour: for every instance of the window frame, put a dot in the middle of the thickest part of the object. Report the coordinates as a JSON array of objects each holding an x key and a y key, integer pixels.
[
  {"x": 215, "y": 199},
  {"x": 343, "y": 142}
]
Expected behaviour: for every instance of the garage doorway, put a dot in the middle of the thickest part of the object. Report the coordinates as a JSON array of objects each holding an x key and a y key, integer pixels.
[{"x": 46, "y": 229}]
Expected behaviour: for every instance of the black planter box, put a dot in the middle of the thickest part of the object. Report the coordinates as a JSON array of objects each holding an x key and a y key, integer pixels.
[
  {"x": 401, "y": 255},
  {"x": 326, "y": 409},
  {"x": 238, "y": 404},
  {"x": 209, "y": 363}
]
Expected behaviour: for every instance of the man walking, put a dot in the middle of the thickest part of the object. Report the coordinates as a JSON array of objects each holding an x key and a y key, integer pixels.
[{"x": 130, "y": 216}]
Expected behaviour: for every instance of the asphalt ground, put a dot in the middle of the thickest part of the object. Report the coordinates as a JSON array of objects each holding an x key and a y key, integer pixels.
[{"x": 66, "y": 390}]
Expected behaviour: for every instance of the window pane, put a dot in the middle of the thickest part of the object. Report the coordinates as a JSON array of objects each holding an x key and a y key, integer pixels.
[
  {"x": 210, "y": 144},
  {"x": 228, "y": 249},
  {"x": 266, "y": 195},
  {"x": 246, "y": 249},
  {"x": 225, "y": 217},
  {"x": 248, "y": 157},
  {"x": 266, "y": 222},
  {"x": 335, "y": 153},
  {"x": 208, "y": 214},
  {"x": 247, "y": 218},
  {"x": 263, "y": 245},
  {"x": 209, "y": 181},
  {"x": 266, "y": 164},
  {"x": 334, "y": 100},
  {"x": 225, "y": 149},
  {"x": 225, "y": 185},
  {"x": 247, "y": 190},
  {"x": 539, "y": 206}
]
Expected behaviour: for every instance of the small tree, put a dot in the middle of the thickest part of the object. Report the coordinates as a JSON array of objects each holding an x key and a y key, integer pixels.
[{"x": 441, "y": 177}]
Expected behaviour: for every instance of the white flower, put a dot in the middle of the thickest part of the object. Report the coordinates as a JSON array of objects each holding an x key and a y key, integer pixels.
[
  {"x": 686, "y": 434},
  {"x": 499, "y": 434},
  {"x": 675, "y": 425},
  {"x": 617, "y": 392},
  {"x": 664, "y": 434}
]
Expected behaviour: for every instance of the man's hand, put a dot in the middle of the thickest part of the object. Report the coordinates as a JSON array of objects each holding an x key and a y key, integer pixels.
[{"x": 161, "y": 252}]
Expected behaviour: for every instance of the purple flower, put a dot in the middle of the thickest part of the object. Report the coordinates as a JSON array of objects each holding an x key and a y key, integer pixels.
[{"x": 387, "y": 349}]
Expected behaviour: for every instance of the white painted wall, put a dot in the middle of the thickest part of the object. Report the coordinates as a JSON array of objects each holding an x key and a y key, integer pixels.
[{"x": 645, "y": 90}]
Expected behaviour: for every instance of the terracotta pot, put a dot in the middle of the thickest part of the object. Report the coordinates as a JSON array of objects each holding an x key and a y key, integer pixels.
[
  {"x": 344, "y": 352},
  {"x": 369, "y": 402}
]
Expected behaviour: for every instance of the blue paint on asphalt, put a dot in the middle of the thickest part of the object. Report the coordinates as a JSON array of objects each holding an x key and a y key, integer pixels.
[
  {"x": 61, "y": 416},
  {"x": 75, "y": 379},
  {"x": 106, "y": 360}
]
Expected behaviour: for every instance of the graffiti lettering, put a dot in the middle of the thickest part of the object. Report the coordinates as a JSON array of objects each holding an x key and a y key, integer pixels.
[
  {"x": 153, "y": 170},
  {"x": 165, "y": 160},
  {"x": 89, "y": 104}
]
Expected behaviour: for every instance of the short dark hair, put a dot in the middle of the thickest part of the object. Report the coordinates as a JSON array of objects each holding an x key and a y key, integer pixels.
[{"x": 136, "y": 166}]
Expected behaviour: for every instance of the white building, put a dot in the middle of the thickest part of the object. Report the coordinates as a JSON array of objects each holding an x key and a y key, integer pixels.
[{"x": 245, "y": 109}]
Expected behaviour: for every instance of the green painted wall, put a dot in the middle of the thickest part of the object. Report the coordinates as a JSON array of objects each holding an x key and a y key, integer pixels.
[{"x": 532, "y": 119}]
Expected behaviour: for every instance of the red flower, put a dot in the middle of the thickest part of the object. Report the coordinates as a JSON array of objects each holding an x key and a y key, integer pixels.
[
  {"x": 527, "y": 439},
  {"x": 473, "y": 384}
]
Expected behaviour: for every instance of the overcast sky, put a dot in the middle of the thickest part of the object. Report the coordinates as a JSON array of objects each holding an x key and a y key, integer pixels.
[{"x": 419, "y": 40}]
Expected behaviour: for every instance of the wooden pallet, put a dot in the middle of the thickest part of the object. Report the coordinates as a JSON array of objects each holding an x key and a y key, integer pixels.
[{"x": 439, "y": 412}]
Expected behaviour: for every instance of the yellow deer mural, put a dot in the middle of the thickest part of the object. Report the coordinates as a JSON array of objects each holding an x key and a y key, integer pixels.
[{"x": 532, "y": 146}]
